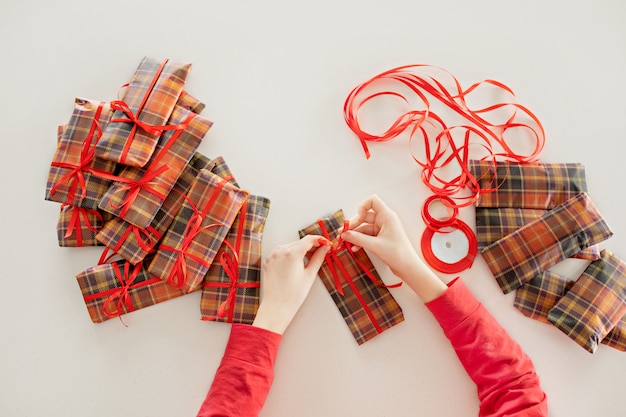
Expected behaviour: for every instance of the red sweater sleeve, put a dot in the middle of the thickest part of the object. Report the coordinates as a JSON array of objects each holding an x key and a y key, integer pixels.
[
  {"x": 245, "y": 375},
  {"x": 504, "y": 375}
]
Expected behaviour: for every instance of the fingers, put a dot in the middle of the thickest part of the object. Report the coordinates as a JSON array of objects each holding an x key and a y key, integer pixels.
[
  {"x": 317, "y": 259},
  {"x": 360, "y": 240},
  {"x": 308, "y": 242}
]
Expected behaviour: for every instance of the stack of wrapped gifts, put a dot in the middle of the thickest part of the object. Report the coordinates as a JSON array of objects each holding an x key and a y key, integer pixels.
[{"x": 128, "y": 177}]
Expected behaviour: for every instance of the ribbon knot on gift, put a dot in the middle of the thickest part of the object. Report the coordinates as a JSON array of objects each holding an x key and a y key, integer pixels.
[
  {"x": 146, "y": 238},
  {"x": 75, "y": 222},
  {"x": 133, "y": 187}
]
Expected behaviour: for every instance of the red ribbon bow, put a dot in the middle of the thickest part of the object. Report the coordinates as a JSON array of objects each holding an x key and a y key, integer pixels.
[{"x": 75, "y": 224}]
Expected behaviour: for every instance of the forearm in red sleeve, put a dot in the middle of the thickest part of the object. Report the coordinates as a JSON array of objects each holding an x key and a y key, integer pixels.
[
  {"x": 504, "y": 375},
  {"x": 245, "y": 375}
]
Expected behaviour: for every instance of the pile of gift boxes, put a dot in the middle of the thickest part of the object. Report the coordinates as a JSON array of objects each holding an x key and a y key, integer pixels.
[{"x": 172, "y": 221}]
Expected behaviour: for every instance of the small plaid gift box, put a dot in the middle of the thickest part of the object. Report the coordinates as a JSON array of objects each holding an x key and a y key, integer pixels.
[
  {"x": 230, "y": 291},
  {"x": 138, "y": 195},
  {"x": 537, "y": 297},
  {"x": 147, "y": 104},
  {"x": 75, "y": 177},
  {"x": 542, "y": 243},
  {"x": 78, "y": 226},
  {"x": 134, "y": 243},
  {"x": 196, "y": 234},
  {"x": 366, "y": 305},
  {"x": 595, "y": 304},
  {"x": 493, "y": 224},
  {"x": 117, "y": 288},
  {"x": 529, "y": 186}
]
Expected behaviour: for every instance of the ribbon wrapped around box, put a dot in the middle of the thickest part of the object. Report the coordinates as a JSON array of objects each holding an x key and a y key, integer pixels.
[
  {"x": 75, "y": 175},
  {"x": 134, "y": 243},
  {"x": 78, "y": 226},
  {"x": 196, "y": 234},
  {"x": 365, "y": 303},
  {"x": 560, "y": 233},
  {"x": 140, "y": 115},
  {"x": 595, "y": 303},
  {"x": 139, "y": 192},
  {"x": 117, "y": 288},
  {"x": 230, "y": 290},
  {"x": 524, "y": 193}
]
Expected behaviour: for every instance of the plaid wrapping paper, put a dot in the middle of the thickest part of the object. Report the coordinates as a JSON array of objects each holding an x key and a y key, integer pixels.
[
  {"x": 595, "y": 304},
  {"x": 230, "y": 291},
  {"x": 78, "y": 226},
  {"x": 196, "y": 234},
  {"x": 148, "y": 100},
  {"x": 617, "y": 336},
  {"x": 70, "y": 173},
  {"x": 493, "y": 224},
  {"x": 138, "y": 198},
  {"x": 529, "y": 186},
  {"x": 542, "y": 243},
  {"x": 117, "y": 288},
  {"x": 379, "y": 311},
  {"x": 537, "y": 297}
]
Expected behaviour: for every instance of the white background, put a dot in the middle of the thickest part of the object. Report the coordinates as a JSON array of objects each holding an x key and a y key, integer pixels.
[{"x": 274, "y": 75}]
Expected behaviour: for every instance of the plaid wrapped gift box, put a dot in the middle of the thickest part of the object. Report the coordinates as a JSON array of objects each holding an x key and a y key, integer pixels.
[
  {"x": 529, "y": 186},
  {"x": 366, "y": 305},
  {"x": 138, "y": 197},
  {"x": 537, "y": 297},
  {"x": 595, "y": 304},
  {"x": 493, "y": 224},
  {"x": 134, "y": 243},
  {"x": 147, "y": 104},
  {"x": 230, "y": 291},
  {"x": 542, "y": 243},
  {"x": 73, "y": 176},
  {"x": 117, "y": 288},
  {"x": 78, "y": 226},
  {"x": 196, "y": 234}
]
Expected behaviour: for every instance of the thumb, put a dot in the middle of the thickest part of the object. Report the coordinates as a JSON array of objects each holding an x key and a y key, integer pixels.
[
  {"x": 360, "y": 239},
  {"x": 317, "y": 259}
]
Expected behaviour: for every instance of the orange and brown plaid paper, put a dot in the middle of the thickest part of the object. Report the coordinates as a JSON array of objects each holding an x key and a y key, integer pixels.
[
  {"x": 196, "y": 234},
  {"x": 73, "y": 177},
  {"x": 542, "y": 243},
  {"x": 138, "y": 198},
  {"x": 147, "y": 104},
  {"x": 78, "y": 226},
  {"x": 230, "y": 291},
  {"x": 368, "y": 308}
]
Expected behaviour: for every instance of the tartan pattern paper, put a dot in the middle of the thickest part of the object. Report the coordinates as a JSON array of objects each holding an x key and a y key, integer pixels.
[
  {"x": 529, "y": 186},
  {"x": 69, "y": 148},
  {"x": 246, "y": 300},
  {"x": 100, "y": 284},
  {"x": 183, "y": 259},
  {"x": 378, "y": 299},
  {"x": 133, "y": 243},
  {"x": 173, "y": 152},
  {"x": 617, "y": 336},
  {"x": 542, "y": 243},
  {"x": 493, "y": 224},
  {"x": 157, "y": 108},
  {"x": 222, "y": 170},
  {"x": 595, "y": 304},
  {"x": 537, "y": 297},
  {"x": 82, "y": 225}
]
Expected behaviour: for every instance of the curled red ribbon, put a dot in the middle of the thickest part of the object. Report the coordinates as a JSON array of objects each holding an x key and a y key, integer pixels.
[
  {"x": 146, "y": 238},
  {"x": 444, "y": 147},
  {"x": 76, "y": 177},
  {"x": 75, "y": 223},
  {"x": 119, "y": 297},
  {"x": 231, "y": 266}
]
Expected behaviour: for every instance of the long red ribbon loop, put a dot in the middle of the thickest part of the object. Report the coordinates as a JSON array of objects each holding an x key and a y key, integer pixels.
[{"x": 76, "y": 177}]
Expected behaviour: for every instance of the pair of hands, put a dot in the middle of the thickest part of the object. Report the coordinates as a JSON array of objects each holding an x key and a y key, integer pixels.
[{"x": 287, "y": 280}]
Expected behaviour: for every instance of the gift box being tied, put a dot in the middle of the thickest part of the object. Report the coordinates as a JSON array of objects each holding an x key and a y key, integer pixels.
[
  {"x": 230, "y": 291},
  {"x": 140, "y": 115},
  {"x": 196, "y": 234},
  {"x": 117, "y": 288},
  {"x": 137, "y": 195},
  {"x": 365, "y": 303},
  {"x": 76, "y": 177}
]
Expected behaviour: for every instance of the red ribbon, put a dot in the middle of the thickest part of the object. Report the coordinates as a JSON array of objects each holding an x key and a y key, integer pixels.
[
  {"x": 76, "y": 177},
  {"x": 75, "y": 224},
  {"x": 134, "y": 187},
  {"x": 230, "y": 265},
  {"x": 442, "y": 149},
  {"x": 146, "y": 238},
  {"x": 120, "y": 105},
  {"x": 178, "y": 275},
  {"x": 334, "y": 262},
  {"x": 119, "y": 297}
]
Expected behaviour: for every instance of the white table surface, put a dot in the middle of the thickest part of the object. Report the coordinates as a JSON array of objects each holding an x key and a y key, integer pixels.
[{"x": 274, "y": 75}]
